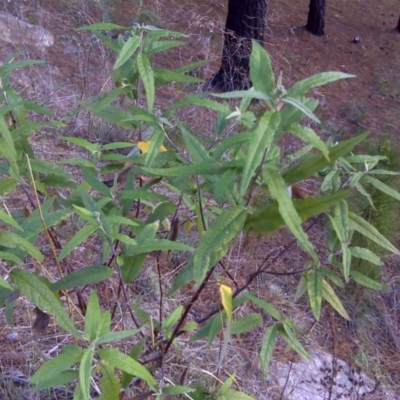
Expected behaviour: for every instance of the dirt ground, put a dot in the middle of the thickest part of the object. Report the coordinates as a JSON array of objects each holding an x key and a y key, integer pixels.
[{"x": 77, "y": 69}]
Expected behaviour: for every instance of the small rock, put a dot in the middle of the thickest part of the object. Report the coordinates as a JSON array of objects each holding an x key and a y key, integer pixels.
[
  {"x": 17, "y": 32},
  {"x": 305, "y": 380},
  {"x": 12, "y": 336}
]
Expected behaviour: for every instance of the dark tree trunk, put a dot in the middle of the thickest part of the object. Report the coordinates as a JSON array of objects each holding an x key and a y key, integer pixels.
[
  {"x": 316, "y": 17},
  {"x": 245, "y": 21},
  {"x": 398, "y": 25}
]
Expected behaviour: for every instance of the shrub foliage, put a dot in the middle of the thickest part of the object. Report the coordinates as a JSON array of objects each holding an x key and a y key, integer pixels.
[{"x": 218, "y": 182}]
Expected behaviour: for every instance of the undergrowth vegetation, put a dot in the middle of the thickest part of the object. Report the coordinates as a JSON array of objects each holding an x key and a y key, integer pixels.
[{"x": 183, "y": 204}]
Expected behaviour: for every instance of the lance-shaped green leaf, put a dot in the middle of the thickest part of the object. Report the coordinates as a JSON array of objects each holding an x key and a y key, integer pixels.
[
  {"x": 156, "y": 33},
  {"x": 381, "y": 186},
  {"x": 37, "y": 292},
  {"x": 215, "y": 324},
  {"x": 196, "y": 149},
  {"x": 114, "y": 115},
  {"x": 202, "y": 168},
  {"x": 131, "y": 264},
  {"x": 366, "y": 254},
  {"x": 365, "y": 228},
  {"x": 118, "y": 335},
  {"x": 53, "y": 367},
  {"x": 177, "y": 389},
  {"x": 82, "y": 277},
  {"x": 76, "y": 240},
  {"x": 101, "y": 26},
  {"x": 109, "y": 383},
  {"x": 7, "y": 185},
  {"x": 330, "y": 180},
  {"x": 78, "y": 394},
  {"x": 146, "y": 73},
  {"x": 346, "y": 259},
  {"x": 246, "y": 323},
  {"x": 333, "y": 276},
  {"x": 224, "y": 228},
  {"x": 361, "y": 190},
  {"x": 302, "y": 107},
  {"x": 314, "y": 287},
  {"x": 59, "y": 379},
  {"x": 85, "y": 372},
  {"x": 301, "y": 288},
  {"x": 260, "y": 139},
  {"x": 134, "y": 353},
  {"x": 157, "y": 245},
  {"x": 188, "y": 273},
  {"x": 143, "y": 194},
  {"x": 8, "y": 67},
  {"x": 160, "y": 212},
  {"x": 268, "y": 218},
  {"x": 127, "y": 364},
  {"x": 105, "y": 324},
  {"x": 92, "y": 317},
  {"x": 104, "y": 102},
  {"x": 288, "y": 211},
  {"x": 261, "y": 73},
  {"x": 8, "y": 147},
  {"x": 8, "y": 219},
  {"x": 210, "y": 329},
  {"x": 316, "y": 163},
  {"x": 95, "y": 182},
  {"x": 119, "y": 220},
  {"x": 12, "y": 240},
  {"x": 150, "y": 47},
  {"x": 269, "y": 308},
  {"x": 286, "y": 332},
  {"x": 330, "y": 296},
  {"x": 302, "y": 87},
  {"x": 198, "y": 100},
  {"x": 229, "y": 143},
  {"x": 130, "y": 46},
  {"x": 244, "y": 94},
  {"x": 341, "y": 215},
  {"x": 166, "y": 75},
  {"x": 33, "y": 225},
  {"x": 291, "y": 115},
  {"x": 157, "y": 139},
  {"x": 367, "y": 282},
  {"x": 91, "y": 147},
  {"x": 48, "y": 168},
  {"x": 267, "y": 348},
  {"x": 172, "y": 318},
  {"x": 308, "y": 135}
]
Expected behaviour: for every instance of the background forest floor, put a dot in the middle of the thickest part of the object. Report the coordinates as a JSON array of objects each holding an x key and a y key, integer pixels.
[{"x": 77, "y": 68}]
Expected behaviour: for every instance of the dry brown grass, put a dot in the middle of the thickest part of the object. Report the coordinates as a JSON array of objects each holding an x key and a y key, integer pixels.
[{"x": 78, "y": 68}]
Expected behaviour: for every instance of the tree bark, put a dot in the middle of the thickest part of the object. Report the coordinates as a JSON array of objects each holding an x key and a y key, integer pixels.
[
  {"x": 316, "y": 17},
  {"x": 245, "y": 21}
]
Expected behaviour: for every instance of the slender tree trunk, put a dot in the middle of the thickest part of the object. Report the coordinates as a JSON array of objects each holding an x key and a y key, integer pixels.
[
  {"x": 316, "y": 17},
  {"x": 245, "y": 21},
  {"x": 398, "y": 25}
]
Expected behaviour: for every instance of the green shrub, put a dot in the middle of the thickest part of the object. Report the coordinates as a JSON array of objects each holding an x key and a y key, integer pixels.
[
  {"x": 211, "y": 183},
  {"x": 380, "y": 209}
]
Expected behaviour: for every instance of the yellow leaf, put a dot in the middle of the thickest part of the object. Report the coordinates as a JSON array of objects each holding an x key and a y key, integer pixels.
[
  {"x": 144, "y": 146},
  {"x": 226, "y": 296}
]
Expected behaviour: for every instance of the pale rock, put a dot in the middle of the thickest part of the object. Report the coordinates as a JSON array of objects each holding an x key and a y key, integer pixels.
[
  {"x": 17, "y": 32},
  {"x": 321, "y": 378}
]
